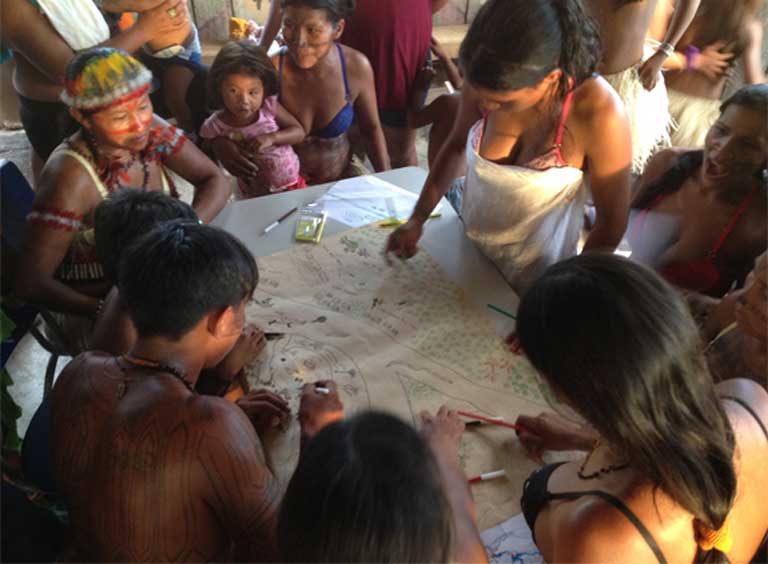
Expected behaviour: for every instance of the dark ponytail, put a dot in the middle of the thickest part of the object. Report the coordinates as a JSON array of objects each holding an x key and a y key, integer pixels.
[
  {"x": 672, "y": 180},
  {"x": 580, "y": 50},
  {"x": 514, "y": 44},
  {"x": 619, "y": 344}
]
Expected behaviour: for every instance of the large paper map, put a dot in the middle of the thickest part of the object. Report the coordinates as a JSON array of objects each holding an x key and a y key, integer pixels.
[{"x": 401, "y": 339}]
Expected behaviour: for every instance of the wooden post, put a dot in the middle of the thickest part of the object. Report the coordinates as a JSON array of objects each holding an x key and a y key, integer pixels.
[{"x": 212, "y": 19}]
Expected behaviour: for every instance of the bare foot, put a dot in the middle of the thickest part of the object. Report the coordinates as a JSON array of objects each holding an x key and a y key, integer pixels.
[{"x": 248, "y": 347}]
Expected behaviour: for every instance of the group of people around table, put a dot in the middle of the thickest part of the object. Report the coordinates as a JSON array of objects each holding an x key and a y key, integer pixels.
[{"x": 153, "y": 464}]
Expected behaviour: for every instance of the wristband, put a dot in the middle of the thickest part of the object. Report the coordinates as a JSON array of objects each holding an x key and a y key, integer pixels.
[
  {"x": 690, "y": 52},
  {"x": 667, "y": 48}
]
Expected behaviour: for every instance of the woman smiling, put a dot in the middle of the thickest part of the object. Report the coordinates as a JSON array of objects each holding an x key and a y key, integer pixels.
[
  {"x": 326, "y": 85},
  {"x": 702, "y": 214},
  {"x": 121, "y": 143}
]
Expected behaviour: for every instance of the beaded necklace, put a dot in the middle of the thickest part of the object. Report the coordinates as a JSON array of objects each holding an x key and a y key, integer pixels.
[
  {"x": 113, "y": 171},
  {"x": 601, "y": 471},
  {"x": 179, "y": 374}
]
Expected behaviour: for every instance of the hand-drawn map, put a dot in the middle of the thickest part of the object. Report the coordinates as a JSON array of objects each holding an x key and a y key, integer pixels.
[
  {"x": 511, "y": 541},
  {"x": 401, "y": 339}
]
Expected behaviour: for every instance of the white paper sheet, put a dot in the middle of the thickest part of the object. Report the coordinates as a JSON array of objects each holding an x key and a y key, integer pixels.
[
  {"x": 511, "y": 541},
  {"x": 364, "y": 199}
]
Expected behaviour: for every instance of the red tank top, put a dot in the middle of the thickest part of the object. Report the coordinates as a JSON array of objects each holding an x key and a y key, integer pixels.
[{"x": 394, "y": 35}]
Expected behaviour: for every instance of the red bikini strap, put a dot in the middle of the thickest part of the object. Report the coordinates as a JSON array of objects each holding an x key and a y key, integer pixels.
[
  {"x": 561, "y": 127},
  {"x": 732, "y": 224}
]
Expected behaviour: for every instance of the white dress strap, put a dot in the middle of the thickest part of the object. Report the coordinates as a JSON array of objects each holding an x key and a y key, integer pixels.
[
  {"x": 89, "y": 168},
  {"x": 164, "y": 180}
]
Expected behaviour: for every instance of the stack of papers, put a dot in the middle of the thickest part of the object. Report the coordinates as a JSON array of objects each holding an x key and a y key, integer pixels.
[{"x": 365, "y": 199}]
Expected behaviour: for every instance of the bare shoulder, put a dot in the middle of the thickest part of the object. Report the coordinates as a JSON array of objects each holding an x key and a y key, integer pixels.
[
  {"x": 595, "y": 99},
  {"x": 747, "y": 392},
  {"x": 76, "y": 375},
  {"x": 592, "y": 530},
  {"x": 358, "y": 65},
  {"x": 218, "y": 418},
  {"x": 65, "y": 179}
]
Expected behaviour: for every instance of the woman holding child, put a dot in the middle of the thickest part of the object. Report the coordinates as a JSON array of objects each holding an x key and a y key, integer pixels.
[
  {"x": 326, "y": 85},
  {"x": 121, "y": 143},
  {"x": 535, "y": 124}
]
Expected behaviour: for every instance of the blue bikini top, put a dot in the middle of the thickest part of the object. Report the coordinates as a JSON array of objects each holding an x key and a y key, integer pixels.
[{"x": 343, "y": 120}]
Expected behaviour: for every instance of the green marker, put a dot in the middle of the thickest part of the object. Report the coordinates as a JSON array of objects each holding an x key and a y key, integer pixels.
[{"x": 501, "y": 311}]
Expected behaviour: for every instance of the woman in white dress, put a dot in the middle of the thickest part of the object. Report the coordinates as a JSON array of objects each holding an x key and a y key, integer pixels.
[{"x": 537, "y": 126}]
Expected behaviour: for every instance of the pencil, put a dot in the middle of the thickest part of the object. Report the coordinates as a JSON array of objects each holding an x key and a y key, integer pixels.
[
  {"x": 392, "y": 222},
  {"x": 721, "y": 334},
  {"x": 501, "y": 311},
  {"x": 488, "y": 476},
  {"x": 277, "y": 222},
  {"x": 493, "y": 421}
]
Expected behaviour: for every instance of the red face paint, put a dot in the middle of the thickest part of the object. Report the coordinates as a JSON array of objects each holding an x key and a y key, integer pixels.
[
  {"x": 125, "y": 124},
  {"x": 138, "y": 126}
]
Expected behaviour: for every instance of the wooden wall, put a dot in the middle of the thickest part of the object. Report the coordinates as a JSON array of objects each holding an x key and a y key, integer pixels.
[
  {"x": 457, "y": 12},
  {"x": 212, "y": 16}
]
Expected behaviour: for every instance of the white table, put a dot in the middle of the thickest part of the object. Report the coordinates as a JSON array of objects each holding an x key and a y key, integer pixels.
[{"x": 443, "y": 238}]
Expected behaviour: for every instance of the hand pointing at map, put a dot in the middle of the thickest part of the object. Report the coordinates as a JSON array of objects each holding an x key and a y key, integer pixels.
[{"x": 404, "y": 241}]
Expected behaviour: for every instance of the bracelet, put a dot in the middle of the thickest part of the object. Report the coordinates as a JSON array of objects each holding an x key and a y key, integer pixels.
[
  {"x": 667, "y": 48},
  {"x": 690, "y": 52}
]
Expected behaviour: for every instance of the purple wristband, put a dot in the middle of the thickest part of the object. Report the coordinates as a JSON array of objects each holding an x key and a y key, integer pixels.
[{"x": 690, "y": 52}]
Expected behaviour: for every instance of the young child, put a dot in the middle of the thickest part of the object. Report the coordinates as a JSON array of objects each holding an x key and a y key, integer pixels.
[
  {"x": 441, "y": 113},
  {"x": 250, "y": 123},
  {"x": 118, "y": 222}
]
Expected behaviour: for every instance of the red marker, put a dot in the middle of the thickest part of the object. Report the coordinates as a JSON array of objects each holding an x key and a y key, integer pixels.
[
  {"x": 491, "y": 420},
  {"x": 488, "y": 476}
]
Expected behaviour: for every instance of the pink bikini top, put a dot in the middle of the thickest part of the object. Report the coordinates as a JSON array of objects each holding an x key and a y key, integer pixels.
[{"x": 552, "y": 158}]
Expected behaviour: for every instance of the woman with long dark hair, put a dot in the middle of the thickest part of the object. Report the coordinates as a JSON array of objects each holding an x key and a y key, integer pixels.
[
  {"x": 535, "y": 125},
  {"x": 702, "y": 214},
  {"x": 676, "y": 470}
]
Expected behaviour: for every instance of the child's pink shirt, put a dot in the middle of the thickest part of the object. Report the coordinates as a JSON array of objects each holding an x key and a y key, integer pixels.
[{"x": 279, "y": 164}]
